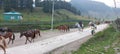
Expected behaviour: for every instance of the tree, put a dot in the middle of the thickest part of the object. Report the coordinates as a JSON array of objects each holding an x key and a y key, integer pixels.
[
  {"x": 29, "y": 5},
  {"x": 1, "y": 3},
  {"x": 59, "y": 4},
  {"x": 7, "y": 5}
]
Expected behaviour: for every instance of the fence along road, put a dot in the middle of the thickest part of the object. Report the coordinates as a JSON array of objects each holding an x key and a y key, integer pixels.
[{"x": 47, "y": 45}]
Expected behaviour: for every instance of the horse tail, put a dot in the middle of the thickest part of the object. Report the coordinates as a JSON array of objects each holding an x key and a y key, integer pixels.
[
  {"x": 68, "y": 28},
  {"x": 33, "y": 35},
  {"x": 39, "y": 33},
  {"x": 13, "y": 37}
]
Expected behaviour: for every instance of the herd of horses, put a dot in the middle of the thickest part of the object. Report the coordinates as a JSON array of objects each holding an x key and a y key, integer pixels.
[
  {"x": 8, "y": 34},
  {"x": 29, "y": 34}
]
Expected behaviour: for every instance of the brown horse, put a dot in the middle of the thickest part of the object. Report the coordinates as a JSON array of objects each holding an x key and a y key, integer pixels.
[
  {"x": 37, "y": 31},
  {"x": 63, "y": 28},
  {"x": 9, "y": 35},
  {"x": 27, "y": 34},
  {"x": 3, "y": 44}
]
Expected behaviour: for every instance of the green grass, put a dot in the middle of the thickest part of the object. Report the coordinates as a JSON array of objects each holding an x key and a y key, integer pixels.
[
  {"x": 39, "y": 15},
  {"x": 39, "y": 19},
  {"x": 97, "y": 44}
]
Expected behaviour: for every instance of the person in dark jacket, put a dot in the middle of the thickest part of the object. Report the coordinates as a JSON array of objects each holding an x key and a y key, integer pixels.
[{"x": 81, "y": 24}]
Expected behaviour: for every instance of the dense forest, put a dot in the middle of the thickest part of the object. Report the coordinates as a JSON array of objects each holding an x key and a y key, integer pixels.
[{"x": 8, "y": 5}]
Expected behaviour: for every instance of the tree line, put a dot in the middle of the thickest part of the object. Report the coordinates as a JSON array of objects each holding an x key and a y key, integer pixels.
[
  {"x": 9, "y": 5},
  {"x": 58, "y": 4}
]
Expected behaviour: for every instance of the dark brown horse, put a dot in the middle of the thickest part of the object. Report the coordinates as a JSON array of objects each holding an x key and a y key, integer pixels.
[
  {"x": 3, "y": 44},
  {"x": 108, "y": 22},
  {"x": 63, "y": 28},
  {"x": 28, "y": 34},
  {"x": 9, "y": 35}
]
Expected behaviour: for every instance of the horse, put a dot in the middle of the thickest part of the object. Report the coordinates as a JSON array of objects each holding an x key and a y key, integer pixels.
[
  {"x": 9, "y": 35},
  {"x": 27, "y": 34},
  {"x": 37, "y": 31},
  {"x": 97, "y": 23},
  {"x": 91, "y": 24},
  {"x": 63, "y": 27},
  {"x": 3, "y": 44},
  {"x": 108, "y": 22},
  {"x": 79, "y": 26}
]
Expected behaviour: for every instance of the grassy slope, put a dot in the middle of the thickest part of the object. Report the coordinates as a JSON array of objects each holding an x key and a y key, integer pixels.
[
  {"x": 41, "y": 20},
  {"x": 102, "y": 43},
  {"x": 39, "y": 15}
]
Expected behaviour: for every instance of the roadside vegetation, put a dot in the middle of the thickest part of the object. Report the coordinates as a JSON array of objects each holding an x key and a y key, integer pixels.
[{"x": 104, "y": 42}]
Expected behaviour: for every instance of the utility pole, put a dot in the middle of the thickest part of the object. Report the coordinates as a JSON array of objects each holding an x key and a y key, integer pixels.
[
  {"x": 52, "y": 20},
  {"x": 115, "y": 3}
]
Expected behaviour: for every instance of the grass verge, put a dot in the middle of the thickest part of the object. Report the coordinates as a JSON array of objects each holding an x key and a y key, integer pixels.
[{"x": 103, "y": 42}]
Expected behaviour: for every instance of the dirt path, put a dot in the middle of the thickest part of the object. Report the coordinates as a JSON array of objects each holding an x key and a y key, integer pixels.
[
  {"x": 48, "y": 34},
  {"x": 51, "y": 42},
  {"x": 69, "y": 48},
  {"x": 44, "y": 35}
]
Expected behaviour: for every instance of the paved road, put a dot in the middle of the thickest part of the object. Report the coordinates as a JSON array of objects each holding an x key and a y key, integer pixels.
[{"x": 43, "y": 46}]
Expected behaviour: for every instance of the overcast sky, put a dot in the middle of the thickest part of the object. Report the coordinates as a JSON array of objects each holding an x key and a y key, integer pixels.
[
  {"x": 68, "y": 0},
  {"x": 108, "y": 2}
]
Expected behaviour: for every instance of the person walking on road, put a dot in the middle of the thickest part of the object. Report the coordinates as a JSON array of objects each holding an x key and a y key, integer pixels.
[{"x": 93, "y": 27}]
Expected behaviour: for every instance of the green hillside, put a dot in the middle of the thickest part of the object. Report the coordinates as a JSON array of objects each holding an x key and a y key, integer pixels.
[
  {"x": 39, "y": 19},
  {"x": 39, "y": 15}
]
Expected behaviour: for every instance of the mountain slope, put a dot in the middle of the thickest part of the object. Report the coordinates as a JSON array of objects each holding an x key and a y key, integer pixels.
[{"x": 94, "y": 9}]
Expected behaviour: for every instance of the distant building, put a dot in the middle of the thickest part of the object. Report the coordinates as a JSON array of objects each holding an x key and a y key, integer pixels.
[{"x": 13, "y": 16}]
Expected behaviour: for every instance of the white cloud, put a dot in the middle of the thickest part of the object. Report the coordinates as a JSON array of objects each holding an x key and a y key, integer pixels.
[
  {"x": 110, "y": 2},
  {"x": 68, "y": 0}
]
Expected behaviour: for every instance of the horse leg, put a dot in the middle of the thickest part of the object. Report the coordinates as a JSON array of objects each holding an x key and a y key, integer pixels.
[
  {"x": 3, "y": 49},
  {"x": 13, "y": 38},
  {"x": 26, "y": 40},
  {"x": 9, "y": 40},
  {"x": 65, "y": 30},
  {"x": 32, "y": 40},
  {"x": 12, "y": 41},
  {"x": 79, "y": 28},
  {"x": 4, "y": 43},
  {"x": 39, "y": 34},
  {"x": 29, "y": 40}
]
